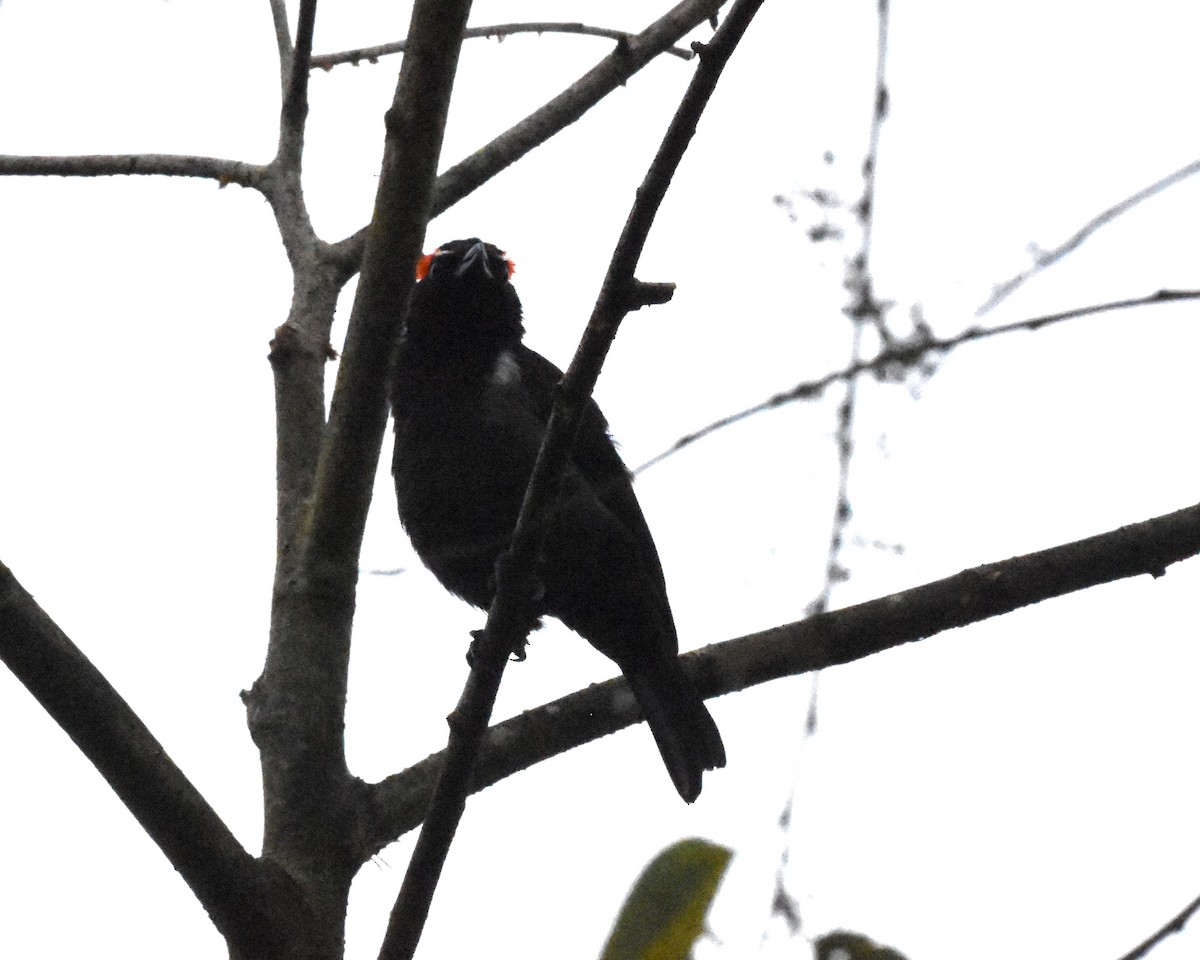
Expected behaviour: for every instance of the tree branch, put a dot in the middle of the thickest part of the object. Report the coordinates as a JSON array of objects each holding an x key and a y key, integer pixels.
[
  {"x": 415, "y": 124},
  {"x": 864, "y": 308},
  {"x": 397, "y": 804},
  {"x": 1175, "y": 925},
  {"x": 556, "y": 114},
  {"x": 137, "y": 164},
  {"x": 300, "y": 350},
  {"x": 1047, "y": 258},
  {"x": 283, "y": 38},
  {"x": 294, "y": 111},
  {"x": 327, "y": 61},
  {"x": 228, "y": 882},
  {"x": 510, "y": 617},
  {"x": 900, "y": 355}
]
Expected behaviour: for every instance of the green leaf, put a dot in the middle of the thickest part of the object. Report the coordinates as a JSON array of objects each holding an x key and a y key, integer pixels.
[{"x": 664, "y": 913}]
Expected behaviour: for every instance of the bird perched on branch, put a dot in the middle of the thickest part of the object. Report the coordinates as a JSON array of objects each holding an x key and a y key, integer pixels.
[{"x": 471, "y": 403}]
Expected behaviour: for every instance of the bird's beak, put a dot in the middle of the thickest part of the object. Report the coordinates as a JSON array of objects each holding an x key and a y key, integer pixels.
[{"x": 475, "y": 258}]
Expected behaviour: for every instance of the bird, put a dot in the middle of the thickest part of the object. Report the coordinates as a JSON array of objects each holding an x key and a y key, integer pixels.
[{"x": 470, "y": 403}]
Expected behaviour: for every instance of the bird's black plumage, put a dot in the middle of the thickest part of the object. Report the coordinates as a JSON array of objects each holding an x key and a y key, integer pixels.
[{"x": 471, "y": 403}]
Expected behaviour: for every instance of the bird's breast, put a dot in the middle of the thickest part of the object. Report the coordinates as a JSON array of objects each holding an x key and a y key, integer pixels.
[{"x": 505, "y": 373}]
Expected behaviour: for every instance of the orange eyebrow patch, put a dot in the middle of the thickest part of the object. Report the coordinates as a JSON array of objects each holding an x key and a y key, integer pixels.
[{"x": 424, "y": 264}]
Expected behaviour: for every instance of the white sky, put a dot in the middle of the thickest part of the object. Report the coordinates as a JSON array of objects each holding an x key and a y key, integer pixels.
[{"x": 1026, "y": 786}]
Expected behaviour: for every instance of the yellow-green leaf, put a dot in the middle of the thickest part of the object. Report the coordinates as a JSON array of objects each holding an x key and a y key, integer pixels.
[{"x": 664, "y": 912}]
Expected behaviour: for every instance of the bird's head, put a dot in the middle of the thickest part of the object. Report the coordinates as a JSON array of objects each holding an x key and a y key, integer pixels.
[
  {"x": 468, "y": 261},
  {"x": 463, "y": 296}
]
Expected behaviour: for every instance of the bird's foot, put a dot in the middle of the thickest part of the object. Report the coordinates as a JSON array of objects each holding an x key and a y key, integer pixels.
[{"x": 518, "y": 654}]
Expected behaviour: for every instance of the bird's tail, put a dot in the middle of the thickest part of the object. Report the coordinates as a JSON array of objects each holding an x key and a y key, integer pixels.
[{"x": 683, "y": 728}]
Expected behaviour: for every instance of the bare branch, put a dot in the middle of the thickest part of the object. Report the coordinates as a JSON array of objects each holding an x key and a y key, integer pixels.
[
  {"x": 300, "y": 350},
  {"x": 306, "y": 254},
  {"x": 1047, "y": 258},
  {"x": 901, "y": 355},
  {"x": 1175, "y": 925},
  {"x": 294, "y": 111},
  {"x": 225, "y": 878},
  {"x": 864, "y": 307},
  {"x": 510, "y": 617},
  {"x": 398, "y": 804},
  {"x": 415, "y": 124},
  {"x": 283, "y": 39},
  {"x": 327, "y": 61},
  {"x": 559, "y": 112},
  {"x": 835, "y": 573},
  {"x": 648, "y": 293},
  {"x": 137, "y": 164}
]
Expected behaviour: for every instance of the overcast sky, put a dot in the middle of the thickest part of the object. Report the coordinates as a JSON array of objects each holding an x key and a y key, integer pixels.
[{"x": 1021, "y": 787}]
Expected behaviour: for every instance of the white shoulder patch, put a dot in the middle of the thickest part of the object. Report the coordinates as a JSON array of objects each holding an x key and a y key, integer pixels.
[{"x": 506, "y": 372}]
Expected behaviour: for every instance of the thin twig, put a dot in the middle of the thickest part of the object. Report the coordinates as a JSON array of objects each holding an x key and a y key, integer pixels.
[
  {"x": 864, "y": 307},
  {"x": 509, "y": 620},
  {"x": 901, "y": 355},
  {"x": 327, "y": 61},
  {"x": 137, "y": 164},
  {"x": 398, "y": 804},
  {"x": 1047, "y": 258},
  {"x": 1175, "y": 925}
]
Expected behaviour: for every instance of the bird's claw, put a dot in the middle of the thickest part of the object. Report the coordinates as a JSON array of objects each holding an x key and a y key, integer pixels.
[{"x": 477, "y": 638}]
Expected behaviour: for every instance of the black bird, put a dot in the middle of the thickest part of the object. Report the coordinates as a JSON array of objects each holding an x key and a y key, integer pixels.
[{"x": 471, "y": 404}]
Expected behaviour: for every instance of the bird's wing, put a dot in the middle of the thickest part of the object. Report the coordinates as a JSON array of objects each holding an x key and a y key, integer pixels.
[{"x": 595, "y": 457}]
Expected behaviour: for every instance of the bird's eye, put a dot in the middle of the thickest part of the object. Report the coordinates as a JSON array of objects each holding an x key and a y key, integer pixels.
[{"x": 425, "y": 264}]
